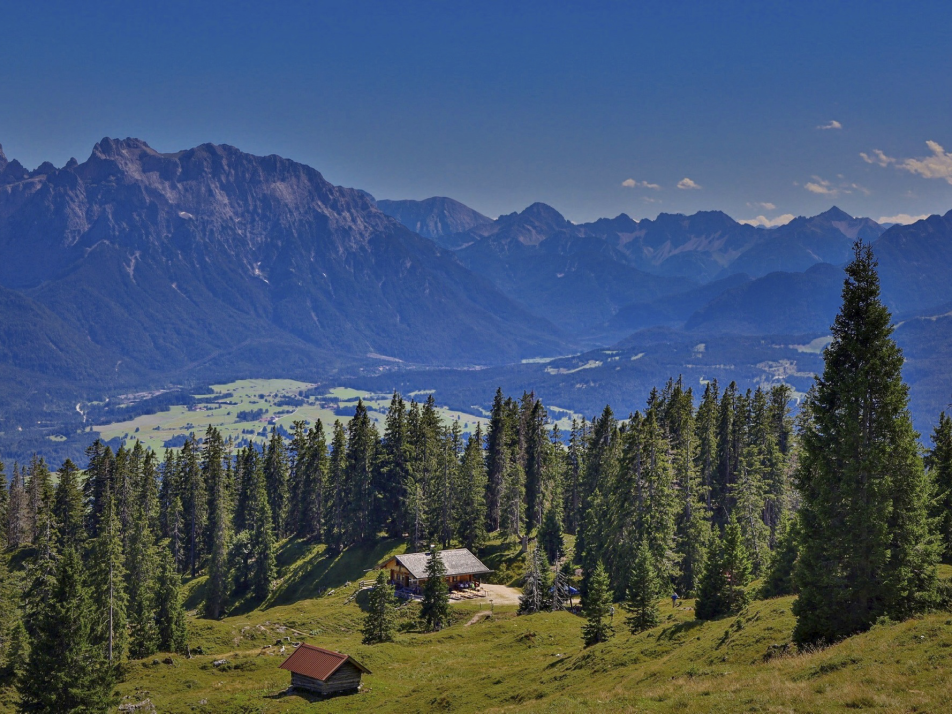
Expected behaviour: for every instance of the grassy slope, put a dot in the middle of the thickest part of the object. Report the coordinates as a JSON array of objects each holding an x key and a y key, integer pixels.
[{"x": 537, "y": 663}]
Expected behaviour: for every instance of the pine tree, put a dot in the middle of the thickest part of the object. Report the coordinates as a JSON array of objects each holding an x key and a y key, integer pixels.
[
  {"x": 778, "y": 580},
  {"x": 597, "y": 608},
  {"x": 68, "y": 507},
  {"x": 576, "y": 467},
  {"x": 314, "y": 483},
  {"x": 435, "y": 608},
  {"x": 4, "y": 505},
  {"x": 17, "y": 517},
  {"x": 107, "y": 581},
  {"x": 276, "y": 481},
  {"x": 443, "y": 494},
  {"x": 535, "y": 592},
  {"x": 865, "y": 549},
  {"x": 219, "y": 524},
  {"x": 394, "y": 468},
  {"x": 194, "y": 503},
  {"x": 693, "y": 550},
  {"x": 66, "y": 670},
  {"x": 379, "y": 622},
  {"x": 643, "y": 592},
  {"x": 513, "y": 513},
  {"x": 361, "y": 458},
  {"x": 496, "y": 461},
  {"x": 550, "y": 535},
  {"x": 335, "y": 530},
  {"x": 722, "y": 589},
  {"x": 262, "y": 542},
  {"x": 471, "y": 505},
  {"x": 749, "y": 494},
  {"x": 536, "y": 448},
  {"x": 99, "y": 482},
  {"x": 39, "y": 494},
  {"x": 297, "y": 466},
  {"x": 169, "y": 613},
  {"x": 940, "y": 471},
  {"x": 142, "y": 563}
]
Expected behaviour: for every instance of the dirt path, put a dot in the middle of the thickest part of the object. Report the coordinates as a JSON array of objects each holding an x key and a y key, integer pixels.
[
  {"x": 481, "y": 615},
  {"x": 502, "y": 594}
]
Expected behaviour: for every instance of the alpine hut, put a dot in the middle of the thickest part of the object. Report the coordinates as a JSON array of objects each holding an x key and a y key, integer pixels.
[
  {"x": 409, "y": 570},
  {"x": 323, "y": 671}
]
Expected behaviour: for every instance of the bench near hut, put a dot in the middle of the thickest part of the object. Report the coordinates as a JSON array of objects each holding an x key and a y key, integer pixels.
[
  {"x": 323, "y": 671},
  {"x": 408, "y": 571}
]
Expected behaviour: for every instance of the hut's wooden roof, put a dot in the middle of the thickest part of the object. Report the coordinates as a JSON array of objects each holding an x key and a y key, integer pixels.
[
  {"x": 457, "y": 562},
  {"x": 318, "y": 663}
]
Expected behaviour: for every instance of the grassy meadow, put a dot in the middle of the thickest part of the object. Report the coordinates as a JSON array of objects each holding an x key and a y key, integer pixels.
[
  {"x": 273, "y": 402},
  {"x": 536, "y": 663}
]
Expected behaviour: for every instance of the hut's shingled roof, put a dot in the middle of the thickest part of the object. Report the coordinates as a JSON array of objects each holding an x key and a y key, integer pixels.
[
  {"x": 318, "y": 663},
  {"x": 457, "y": 562}
]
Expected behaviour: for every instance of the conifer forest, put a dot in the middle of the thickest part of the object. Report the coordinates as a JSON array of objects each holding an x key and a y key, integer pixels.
[{"x": 697, "y": 495}]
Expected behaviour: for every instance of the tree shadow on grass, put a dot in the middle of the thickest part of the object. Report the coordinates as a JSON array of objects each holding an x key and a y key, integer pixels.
[
  {"x": 669, "y": 633},
  {"x": 323, "y": 570}
]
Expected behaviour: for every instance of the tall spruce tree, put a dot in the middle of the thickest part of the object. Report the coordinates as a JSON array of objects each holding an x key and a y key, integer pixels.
[
  {"x": 68, "y": 506},
  {"x": 276, "y": 481},
  {"x": 379, "y": 622},
  {"x": 722, "y": 590},
  {"x": 169, "y": 613},
  {"x": 262, "y": 540},
  {"x": 142, "y": 564},
  {"x": 17, "y": 511},
  {"x": 314, "y": 483},
  {"x": 194, "y": 502},
  {"x": 497, "y": 448},
  {"x": 4, "y": 504},
  {"x": 335, "y": 531},
  {"x": 644, "y": 589},
  {"x": 940, "y": 471},
  {"x": 778, "y": 580},
  {"x": 219, "y": 523},
  {"x": 597, "y": 608},
  {"x": 471, "y": 505},
  {"x": 107, "y": 581},
  {"x": 865, "y": 550},
  {"x": 435, "y": 608},
  {"x": 550, "y": 535},
  {"x": 66, "y": 670},
  {"x": 361, "y": 459}
]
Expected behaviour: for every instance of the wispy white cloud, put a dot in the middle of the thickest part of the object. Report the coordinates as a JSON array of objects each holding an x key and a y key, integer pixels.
[
  {"x": 828, "y": 188},
  {"x": 648, "y": 199},
  {"x": 833, "y": 124},
  {"x": 765, "y": 205},
  {"x": 820, "y": 186},
  {"x": 769, "y": 222},
  {"x": 687, "y": 183},
  {"x": 631, "y": 183},
  {"x": 877, "y": 157},
  {"x": 939, "y": 165},
  {"x": 903, "y": 218}
]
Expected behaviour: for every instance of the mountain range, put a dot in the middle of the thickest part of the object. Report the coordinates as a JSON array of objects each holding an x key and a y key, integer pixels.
[{"x": 137, "y": 269}]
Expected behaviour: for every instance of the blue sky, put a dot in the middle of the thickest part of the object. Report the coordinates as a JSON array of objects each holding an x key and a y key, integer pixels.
[{"x": 500, "y": 104}]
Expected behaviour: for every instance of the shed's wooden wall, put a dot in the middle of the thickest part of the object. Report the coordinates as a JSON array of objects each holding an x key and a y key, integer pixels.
[{"x": 346, "y": 678}]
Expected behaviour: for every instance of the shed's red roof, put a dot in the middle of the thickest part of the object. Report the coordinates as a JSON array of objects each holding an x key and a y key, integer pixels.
[{"x": 318, "y": 663}]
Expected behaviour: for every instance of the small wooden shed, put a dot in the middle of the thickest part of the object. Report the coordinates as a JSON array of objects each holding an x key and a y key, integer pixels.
[{"x": 323, "y": 671}]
